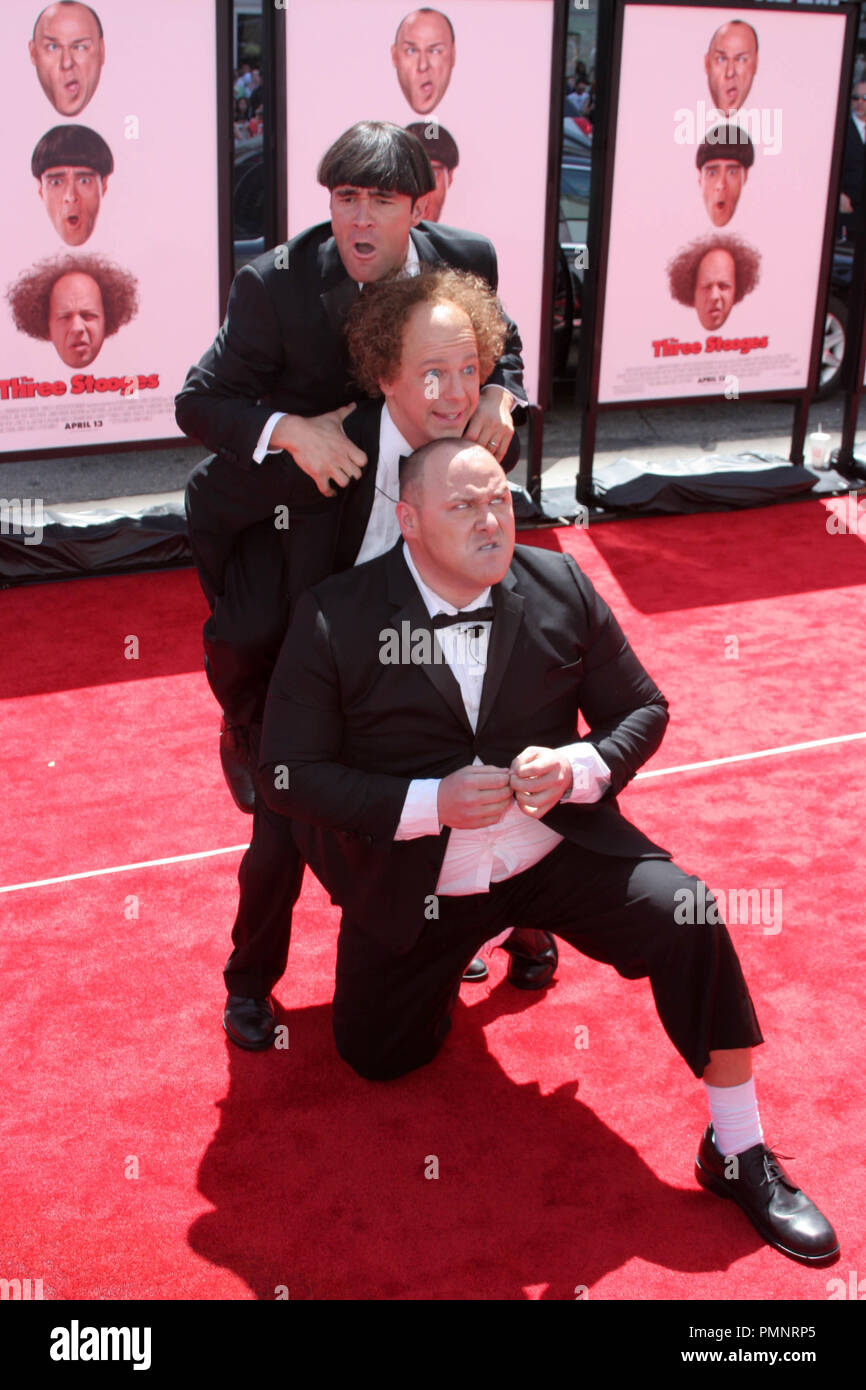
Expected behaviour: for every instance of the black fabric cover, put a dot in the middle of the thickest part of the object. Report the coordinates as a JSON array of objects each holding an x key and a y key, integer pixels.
[
  {"x": 101, "y": 541},
  {"x": 735, "y": 486}
]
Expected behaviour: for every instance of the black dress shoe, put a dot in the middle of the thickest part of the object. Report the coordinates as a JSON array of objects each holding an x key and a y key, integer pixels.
[
  {"x": 534, "y": 957},
  {"x": 476, "y": 971},
  {"x": 250, "y": 1023},
  {"x": 779, "y": 1211},
  {"x": 236, "y": 763}
]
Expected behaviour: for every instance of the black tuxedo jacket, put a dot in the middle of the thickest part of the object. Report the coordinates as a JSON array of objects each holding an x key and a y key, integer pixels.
[
  {"x": 329, "y": 531},
  {"x": 281, "y": 346},
  {"x": 229, "y": 507},
  {"x": 344, "y": 734},
  {"x": 324, "y": 534}
]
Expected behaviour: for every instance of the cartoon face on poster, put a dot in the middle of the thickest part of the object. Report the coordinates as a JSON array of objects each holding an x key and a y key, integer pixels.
[
  {"x": 472, "y": 81},
  {"x": 109, "y": 271},
  {"x": 719, "y": 201}
]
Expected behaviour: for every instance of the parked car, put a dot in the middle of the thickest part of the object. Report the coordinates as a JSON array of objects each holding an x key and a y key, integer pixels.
[
  {"x": 836, "y": 320},
  {"x": 575, "y": 168},
  {"x": 248, "y": 201}
]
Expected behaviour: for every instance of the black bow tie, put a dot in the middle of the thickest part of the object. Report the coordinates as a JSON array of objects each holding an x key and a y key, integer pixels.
[{"x": 474, "y": 615}]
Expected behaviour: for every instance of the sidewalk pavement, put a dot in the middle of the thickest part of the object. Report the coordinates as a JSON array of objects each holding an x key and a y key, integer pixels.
[{"x": 663, "y": 433}]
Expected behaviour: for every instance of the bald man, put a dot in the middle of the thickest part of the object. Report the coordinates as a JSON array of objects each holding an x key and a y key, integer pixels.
[
  {"x": 421, "y": 730},
  {"x": 731, "y": 62},
  {"x": 68, "y": 50},
  {"x": 424, "y": 53}
]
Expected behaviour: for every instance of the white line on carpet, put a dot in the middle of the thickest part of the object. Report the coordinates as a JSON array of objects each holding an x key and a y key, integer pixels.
[
  {"x": 232, "y": 849},
  {"x": 749, "y": 757},
  {"x": 123, "y": 868}
]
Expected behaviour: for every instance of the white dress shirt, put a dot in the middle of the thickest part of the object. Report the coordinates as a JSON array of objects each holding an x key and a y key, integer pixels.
[
  {"x": 383, "y": 529},
  {"x": 476, "y": 858}
]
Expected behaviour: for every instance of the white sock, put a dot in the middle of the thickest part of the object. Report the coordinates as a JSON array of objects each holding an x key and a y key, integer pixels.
[{"x": 734, "y": 1113}]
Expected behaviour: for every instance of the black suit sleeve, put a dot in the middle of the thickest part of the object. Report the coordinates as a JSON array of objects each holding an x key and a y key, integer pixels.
[
  {"x": 626, "y": 712},
  {"x": 508, "y": 371},
  {"x": 217, "y": 403},
  {"x": 303, "y": 734}
]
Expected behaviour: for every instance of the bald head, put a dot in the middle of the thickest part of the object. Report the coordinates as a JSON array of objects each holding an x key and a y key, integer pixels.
[
  {"x": 68, "y": 51},
  {"x": 455, "y": 515},
  {"x": 731, "y": 62},
  {"x": 423, "y": 52},
  {"x": 413, "y": 468}
]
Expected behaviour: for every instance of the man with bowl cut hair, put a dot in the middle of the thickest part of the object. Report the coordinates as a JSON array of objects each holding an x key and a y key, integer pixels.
[
  {"x": 71, "y": 165},
  {"x": 444, "y": 157},
  {"x": 723, "y": 162}
]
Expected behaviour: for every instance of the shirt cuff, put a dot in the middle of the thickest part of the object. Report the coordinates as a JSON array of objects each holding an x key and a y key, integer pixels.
[
  {"x": 261, "y": 448},
  {"x": 590, "y": 774},
  {"x": 420, "y": 813},
  {"x": 512, "y": 399}
]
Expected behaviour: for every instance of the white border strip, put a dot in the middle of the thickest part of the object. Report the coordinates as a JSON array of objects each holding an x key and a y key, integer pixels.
[
  {"x": 233, "y": 849},
  {"x": 748, "y": 757},
  {"x": 123, "y": 868}
]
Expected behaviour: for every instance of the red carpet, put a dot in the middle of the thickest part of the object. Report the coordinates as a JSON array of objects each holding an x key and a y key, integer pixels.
[{"x": 144, "y": 1157}]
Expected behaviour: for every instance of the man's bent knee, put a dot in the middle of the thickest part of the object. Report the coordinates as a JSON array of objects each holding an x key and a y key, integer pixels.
[{"x": 379, "y": 1062}]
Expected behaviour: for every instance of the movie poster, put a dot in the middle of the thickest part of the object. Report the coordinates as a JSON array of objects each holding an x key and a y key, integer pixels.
[
  {"x": 474, "y": 80},
  {"x": 725, "y": 128},
  {"x": 109, "y": 254}
]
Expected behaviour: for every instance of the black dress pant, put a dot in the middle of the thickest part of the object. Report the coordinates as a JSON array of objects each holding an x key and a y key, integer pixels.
[
  {"x": 392, "y": 1012},
  {"x": 251, "y": 567},
  {"x": 269, "y": 878}
]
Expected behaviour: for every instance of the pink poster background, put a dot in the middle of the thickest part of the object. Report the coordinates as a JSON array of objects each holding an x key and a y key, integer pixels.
[
  {"x": 158, "y": 217},
  {"x": 496, "y": 106},
  {"x": 657, "y": 207}
]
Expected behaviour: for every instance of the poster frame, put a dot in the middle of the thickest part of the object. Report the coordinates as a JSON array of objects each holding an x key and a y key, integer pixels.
[
  {"x": 551, "y": 158},
  {"x": 225, "y": 255},
  {"x": 854, "y": 364},
  {"x": 610, "y": 37}
]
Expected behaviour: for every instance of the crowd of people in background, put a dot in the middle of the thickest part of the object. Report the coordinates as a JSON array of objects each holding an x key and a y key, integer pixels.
[
  {"x": 248, "y": 103},
  {"x": 580, "y": 96}
]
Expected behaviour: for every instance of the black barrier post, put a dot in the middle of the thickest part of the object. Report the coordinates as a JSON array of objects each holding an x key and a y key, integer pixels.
[
  {"x": 551, "y": 247},
  {"x": 608, "y": 40},
  {"x": 274, "y": 79},
  {"x": 855, "y": 349}
]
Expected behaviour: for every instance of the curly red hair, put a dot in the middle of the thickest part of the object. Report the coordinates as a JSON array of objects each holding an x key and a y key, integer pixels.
[
  {"x": 375, "y": 326},
  {"x": 30, "y": 295}
]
